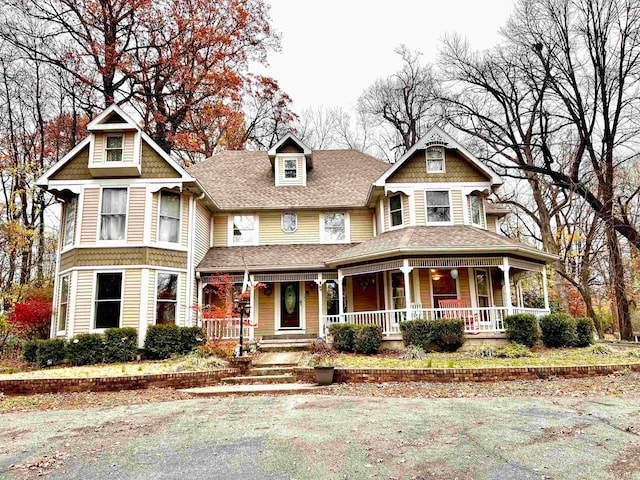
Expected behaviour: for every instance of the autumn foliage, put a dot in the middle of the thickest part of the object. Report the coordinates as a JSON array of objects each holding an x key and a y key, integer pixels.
[{"x": 32, "y": 317}]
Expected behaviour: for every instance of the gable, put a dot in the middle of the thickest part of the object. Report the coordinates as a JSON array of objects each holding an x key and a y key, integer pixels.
[
  {"x": 457, "y": 169},
  {"x": 290, "y": 147},
  {"x": 75, "y": 169}
]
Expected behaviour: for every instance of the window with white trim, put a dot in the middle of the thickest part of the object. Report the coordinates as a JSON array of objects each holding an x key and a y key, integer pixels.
[
  {"x": 68, "y": 232},
  {"x": 113, "y": 214},
  {"x": 290, "y": 168},
  {"x": 108, "y": 302},
  {"x": 166, "y": 297},
  {"x": 395, "y": 210},
  {"x": 169, "y": 219},
  {"x": 334, "y": 227},
  {"x": 438, "y": 207},
  {"x": 244, "y": 230},
  {"x": 475, "y": 209},
  {"x": 435, "y": 159},
  {"x": 63, "y": 304},
  {"x": 114, "y": 145},
  {"x": 482, "y": 287},
  {"x": 443, "y": 286},
  {"x": 289, "y": 222}
]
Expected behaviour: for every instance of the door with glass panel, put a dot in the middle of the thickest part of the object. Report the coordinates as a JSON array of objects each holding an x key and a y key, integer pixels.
[{"x": 290, "y": 305}]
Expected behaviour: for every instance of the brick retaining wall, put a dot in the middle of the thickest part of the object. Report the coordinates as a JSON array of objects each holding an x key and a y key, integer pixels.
[{"x": 105, "y": 384}]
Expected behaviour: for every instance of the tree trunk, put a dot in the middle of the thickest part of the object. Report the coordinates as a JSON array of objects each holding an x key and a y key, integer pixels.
[{"x": 618, "y": 284}]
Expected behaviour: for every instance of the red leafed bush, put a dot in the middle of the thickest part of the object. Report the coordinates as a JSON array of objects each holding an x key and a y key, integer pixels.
[{"x": 32, "y": 317}]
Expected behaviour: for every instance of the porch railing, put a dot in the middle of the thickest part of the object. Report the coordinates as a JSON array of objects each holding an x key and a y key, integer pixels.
[
  {"x": 225, "y": 328},
  {"x": 476, "y": 320}
]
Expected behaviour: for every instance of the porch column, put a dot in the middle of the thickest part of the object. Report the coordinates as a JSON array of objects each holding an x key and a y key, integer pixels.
[
  {"x": 506, "y": 289},
  {"x": 198, "y": 310},
  {"x": 340, "y": 296},
  {"x": 252, "y": 303},
  {"x": 406, "y": 270},
  {"x": 545, "y": 287},
  {"x": 321, "y": 321}
]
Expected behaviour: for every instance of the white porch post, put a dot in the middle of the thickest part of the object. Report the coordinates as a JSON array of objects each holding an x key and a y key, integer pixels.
[
  {"x": 252, "y": 303},
  {"x": 198, "y": 310},
  {"x": 340, "y": 296},
  {"x": 321, "y": 320},
  {"x": 545, "y": 288},
  {"x": 406, "y": 270},
  {"x": 506, "y": 289}
]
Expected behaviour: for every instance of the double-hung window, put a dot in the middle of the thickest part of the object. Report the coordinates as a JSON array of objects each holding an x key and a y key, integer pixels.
[
  {"x": 435, "y": 159},
  {"x": 113, "y": 214},
  {"x": 438, "y": 207},
  {"x": 290, "y": 168},
  {"x": 108, "y": 300},
  {"x": 334, "y": 227},
  {"x": 114, "y": 147},
  {"x": 244, "y": 230},
  {"x": 63, "y": 306},
  {"x": 475, "y": 207},
  {"x": 395, "y": 210},
  {"x": 68, "y": 231},
  {"x": 167, "y": 297},
  {"x": 169, "y": 221}
]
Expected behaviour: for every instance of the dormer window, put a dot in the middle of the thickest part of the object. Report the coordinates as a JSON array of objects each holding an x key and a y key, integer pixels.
[
  {"x": 435, "y": 160},
  {"x": 290, "y": 168},
  {"x": 113, "y": 149}
]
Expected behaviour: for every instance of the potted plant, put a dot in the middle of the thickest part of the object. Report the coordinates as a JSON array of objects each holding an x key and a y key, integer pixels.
[{"x": 323, "y": 362}]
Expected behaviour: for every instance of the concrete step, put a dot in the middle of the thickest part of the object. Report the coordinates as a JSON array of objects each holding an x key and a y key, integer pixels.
[
  {"x": 289, "y": 336},
  {"x": 282, "y": 388},
  {"x": 285, "y": 347},
  {"x": 272, "y": 370},
  {"x": 258, "y": 379}
]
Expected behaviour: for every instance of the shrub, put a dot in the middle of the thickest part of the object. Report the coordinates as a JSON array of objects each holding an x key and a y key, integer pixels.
[
  {"x": 486, "y": 351},
  {"x": 448, "y": 333},
  {"x": 417, "y": 333},
  {"x": 120, "y": 344},
  {"x": 584, "y": 329},
  {"x": 558, "y": 330},
  {"x": 30, "y": 351},
  {"x": 367, "y": 339},
  {"x": 217, "y": 348},
  {"x": 51, "y": 352},
  {"x": 32, "y": 317},
  {"x": 161, "y": 341},
  {"x": 522, "y": 329},
  {"x": 413, "y": 352},
  {"x": 86, "y": 349},
  {"x": 189, "y": 338},
  {"x": 513, "y": 350},
  {"x": 343, "y": 336}
]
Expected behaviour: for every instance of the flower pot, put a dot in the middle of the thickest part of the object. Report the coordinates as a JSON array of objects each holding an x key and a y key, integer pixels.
[{"x": 324, "y": 375}]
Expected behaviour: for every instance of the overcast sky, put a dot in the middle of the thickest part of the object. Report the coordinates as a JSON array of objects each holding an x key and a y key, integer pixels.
[{"x": 333, "y": 49}]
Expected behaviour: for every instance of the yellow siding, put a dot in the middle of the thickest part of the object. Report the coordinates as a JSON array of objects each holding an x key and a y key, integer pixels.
[
  {"x": 361, "y": 223},
  {"x": 83, "y": 300},
  {"x": 98, "y": 149},
  {"x": 406, "y": 217},
  {"x": 421, "y": 215},
  {"x": 184, "y": 221},
  {"x": 266, "y": 312},
  {"x": 220, "y": 227},
  {"x": 128, "y": 143},
  {"x": 457, "y": 169},
  {"x": 183, "y": 303},
  {"x": 463, "y": 285},
  {"x": 364, "y": 299},
  {"x": 492, "y": 223},
  {"x": 89, "y": 215},
  {"x": 457, "y": 207},
  {"x": 131, "y": 297},
  {"x": 151, "y": 298},
  {"x": 155, "y": 198},
  {"x": 270, "y": 224},
  {"x": 289, "y": 181},
  {"x": 311, "y": 309},
  {"x": 135, "y": 219},
  {"x": 425, "y": 288},
  {"x": 496, "y": 284}
]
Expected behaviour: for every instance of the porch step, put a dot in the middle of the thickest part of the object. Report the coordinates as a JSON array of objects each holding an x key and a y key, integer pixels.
[
  {"x": 289, "y": 336},
  {"x": 265, "y": 371},
  {"x": 283, "y": 388},
  {"x": 258, "y": 379},
  {"x": 285, "y": 346}
]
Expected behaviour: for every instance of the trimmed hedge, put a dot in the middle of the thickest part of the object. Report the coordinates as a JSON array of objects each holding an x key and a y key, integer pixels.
[
  {"x": 45, "y": 353},
  {"x": 367, "y": 339},
  {"x": 30, "y": 351},
  {"x": 162, "y": 341},
  {"x": 584, "y": 329},
  {"x": 86, "y": 349},
  {"x": 120, "y": 344},
  {"x": 189, "y": 339},
  {"x": 558, "y": 330},
  {"x": 443, "y": 334},
  {"x": 523, "y": 329},
  {"x": 343, "y": 336}
]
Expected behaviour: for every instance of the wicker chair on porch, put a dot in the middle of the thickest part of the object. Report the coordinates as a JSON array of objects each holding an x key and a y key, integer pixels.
[{"x": 471, "y": 323}]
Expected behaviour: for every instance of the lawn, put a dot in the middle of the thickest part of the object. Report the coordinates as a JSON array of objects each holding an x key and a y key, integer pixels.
[
  {"x": 539, "y": 357},
  {"x": 181, "y": 364}
]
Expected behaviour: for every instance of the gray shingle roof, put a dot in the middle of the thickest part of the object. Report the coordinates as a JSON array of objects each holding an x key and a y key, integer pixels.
[
  {"x": 270, "y": 257},
  {"x": 436, "y": 240},
  {"x": 245, "y": 180}
]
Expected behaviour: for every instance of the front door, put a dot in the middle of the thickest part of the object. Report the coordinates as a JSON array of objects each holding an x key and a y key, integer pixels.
[{"x": 290, "y": 305}]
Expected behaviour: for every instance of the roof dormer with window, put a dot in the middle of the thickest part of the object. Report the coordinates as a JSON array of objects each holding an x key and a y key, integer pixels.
[{"x": 291, "y": 160}]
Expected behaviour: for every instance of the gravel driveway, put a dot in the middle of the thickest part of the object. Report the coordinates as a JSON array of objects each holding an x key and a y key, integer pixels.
[{"x": 329, "y": 437}]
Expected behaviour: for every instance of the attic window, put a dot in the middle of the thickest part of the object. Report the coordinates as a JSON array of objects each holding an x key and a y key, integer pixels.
[
  {"x": 435, "y": 159},
  {"x": 114, "y": 148},
  {"x": 290, "y": 168}
]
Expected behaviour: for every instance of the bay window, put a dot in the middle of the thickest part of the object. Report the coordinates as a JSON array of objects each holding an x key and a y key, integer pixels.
[
  {"x": 395, "y": 210},
  {"x": 108, "y": 300},
  {"x": 113, "y": 214},
  {"x": 169, "y": 221},
  {"x": 63, "y": 305},
  {"x": 438, "y": 207},
  {"x": 166, "y": 297},
  {"x": 68, "y": 231}
]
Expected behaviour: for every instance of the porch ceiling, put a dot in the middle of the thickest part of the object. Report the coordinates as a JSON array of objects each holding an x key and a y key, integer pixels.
[{"x": 449, "y": 240}]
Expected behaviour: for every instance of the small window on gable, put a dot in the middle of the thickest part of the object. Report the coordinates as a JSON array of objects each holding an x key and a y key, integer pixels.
[
  {"x": 290, "y": 168},
  {"x": 289, "y": 222},
  {"x": 114, "y": 145},
  {"x": 395, "y": 210},
  {"x": 435, "y": 159}
]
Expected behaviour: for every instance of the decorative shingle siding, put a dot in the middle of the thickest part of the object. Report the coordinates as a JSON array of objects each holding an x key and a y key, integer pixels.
[
  {"x": 457, "y": 169},
  {"x": 135, "y": 217},
  {"x": 91, "y": 202},
  {"x": 66, "y": 260},
  {"x": 123, "y": 256},
  {"x": 76, "y": 169},
  {"x": 154, "y": 166}
]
